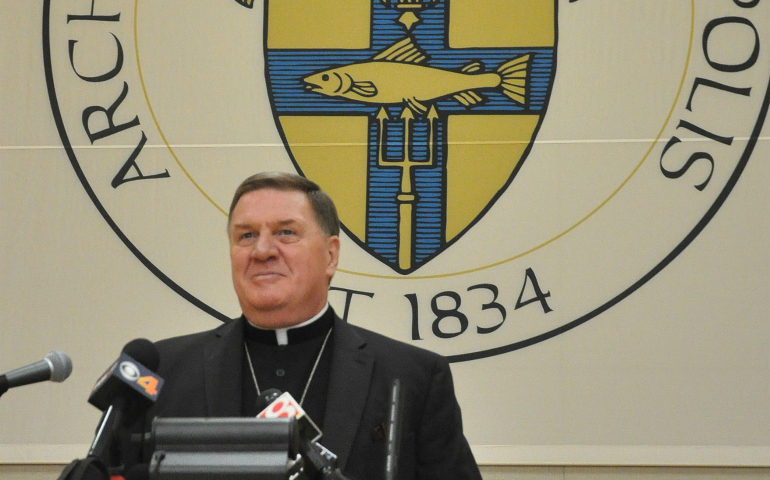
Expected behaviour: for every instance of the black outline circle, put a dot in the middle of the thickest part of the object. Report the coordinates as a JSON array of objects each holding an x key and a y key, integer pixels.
[
  {"x": 79, "y": 172},
  {"x": 752, "y": 141}
]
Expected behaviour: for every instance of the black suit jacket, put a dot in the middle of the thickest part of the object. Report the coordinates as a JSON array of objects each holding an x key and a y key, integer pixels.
[{"x": 204, "y": 378}]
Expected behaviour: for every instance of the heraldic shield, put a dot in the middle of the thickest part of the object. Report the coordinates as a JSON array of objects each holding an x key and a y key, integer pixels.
[{"x": 414, "y": 115}]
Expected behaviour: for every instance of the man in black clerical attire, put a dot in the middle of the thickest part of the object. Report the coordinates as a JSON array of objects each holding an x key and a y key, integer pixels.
[{"x": 284, "y": 248}]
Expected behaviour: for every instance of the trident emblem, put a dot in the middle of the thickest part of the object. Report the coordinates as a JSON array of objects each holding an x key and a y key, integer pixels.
[{"x": 406, "y": 196}]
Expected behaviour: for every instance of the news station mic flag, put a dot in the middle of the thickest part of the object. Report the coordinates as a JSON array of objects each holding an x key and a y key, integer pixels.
[{"x": 125, "y": 391}]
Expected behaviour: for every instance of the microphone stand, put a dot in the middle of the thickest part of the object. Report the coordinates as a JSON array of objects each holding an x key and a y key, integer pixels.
[
  {"x": 94, "y": 466},
  {"x": 105, "y": 432},
  {"x": 318, "y": 463}
]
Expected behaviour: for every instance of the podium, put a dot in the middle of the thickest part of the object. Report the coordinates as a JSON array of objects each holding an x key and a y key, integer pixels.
[
  {"x": 224, "y": 448},
  {"x": 221, "y": 449}
]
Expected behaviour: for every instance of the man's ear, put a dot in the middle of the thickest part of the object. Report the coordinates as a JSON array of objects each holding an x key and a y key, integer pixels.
[{"x": 333, "y": 252}]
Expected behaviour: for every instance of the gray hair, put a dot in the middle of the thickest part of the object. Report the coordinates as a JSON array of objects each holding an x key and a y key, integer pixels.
[{"x": 322, "y": 205}]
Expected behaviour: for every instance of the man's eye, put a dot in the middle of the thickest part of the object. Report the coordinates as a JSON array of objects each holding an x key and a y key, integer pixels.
[
  {"x": 287, "y": 235},
  {"x": 246, "y": 238}
]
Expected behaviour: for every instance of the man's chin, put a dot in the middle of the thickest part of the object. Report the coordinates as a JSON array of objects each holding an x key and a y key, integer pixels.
[
  {"x": 270, "y": 314},
  {"x": 264, "y": 307}
]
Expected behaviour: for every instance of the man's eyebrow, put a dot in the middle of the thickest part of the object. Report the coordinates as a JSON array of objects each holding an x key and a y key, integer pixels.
[
  {"x": 284, "y": 223},
  {"x": 279, "y": 223}
]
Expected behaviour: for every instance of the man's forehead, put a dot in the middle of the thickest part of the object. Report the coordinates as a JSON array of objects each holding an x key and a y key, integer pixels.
[
  {"x": 274, "y": 206},
  {"x": 268, "y": 199}
]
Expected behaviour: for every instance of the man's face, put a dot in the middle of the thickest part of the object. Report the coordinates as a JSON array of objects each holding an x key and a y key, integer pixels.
[{"x": 281, "y": 259}]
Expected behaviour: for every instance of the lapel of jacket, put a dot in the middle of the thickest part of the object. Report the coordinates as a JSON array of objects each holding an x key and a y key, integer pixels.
[
  {"x": 223, "y": 365},
  {"x": 351, "y": 370}
]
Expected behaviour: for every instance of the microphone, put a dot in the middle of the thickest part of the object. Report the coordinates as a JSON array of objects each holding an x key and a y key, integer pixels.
[
  {"x": 133, "y": 371},
  {"x": 394, "y": 429},
  {"x": 283, "y": 406},
  {"x": 318, "y": 462},
  {"x": 125, "y": 390},
  {"x": 56, "y": 366},
  {"x": 267, "y": 397}
]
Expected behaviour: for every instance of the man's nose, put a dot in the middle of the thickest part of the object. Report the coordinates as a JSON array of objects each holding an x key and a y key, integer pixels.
[{"x": 264, "y": 248}]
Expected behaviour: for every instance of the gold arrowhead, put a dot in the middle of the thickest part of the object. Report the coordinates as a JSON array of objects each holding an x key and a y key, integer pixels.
[
  {"x": 432, "y": 114},
  {"x": 383, "y": 114},
  {"x": 408, "y": 19}
]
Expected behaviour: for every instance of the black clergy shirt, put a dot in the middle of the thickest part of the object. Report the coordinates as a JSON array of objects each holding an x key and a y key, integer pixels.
[{"x": 288, "y": 367}]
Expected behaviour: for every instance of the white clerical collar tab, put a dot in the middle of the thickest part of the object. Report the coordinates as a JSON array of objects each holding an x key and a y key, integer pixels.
[{"x": 281, "y": 335}]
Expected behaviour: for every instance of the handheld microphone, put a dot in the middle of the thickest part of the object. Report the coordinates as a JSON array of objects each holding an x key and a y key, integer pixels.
[
  {"x": 56, "y": 367},
  {"x": 126, "y": 389},
  {"x": 131, "y": 373},
  {"x": 318, "y": 462},
  {"x": 284, "y": 406},
  {"x": 128, "y": 386}
]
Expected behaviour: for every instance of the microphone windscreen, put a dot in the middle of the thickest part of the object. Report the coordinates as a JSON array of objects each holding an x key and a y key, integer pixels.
[
  {"x": 61, "y": 365},
  {"x": 144, "y": 352},
  {"x": 266, "y": 397},
  {"x": 131, "y": 374}
]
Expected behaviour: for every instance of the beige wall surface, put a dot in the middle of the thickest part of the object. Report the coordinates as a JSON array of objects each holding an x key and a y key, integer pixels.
[{"x": 670, "y": 371}]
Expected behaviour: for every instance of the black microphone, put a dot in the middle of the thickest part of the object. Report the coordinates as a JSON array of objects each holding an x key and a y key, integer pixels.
[
  {"x": 394, "y": 429},
  {"x": 284, "y": 405},
  {"x": 127, "y": 375},
  {"x": 126, "y": 390},
  {"x": 318, "y": 462},
  {"x": 56, "y": 366},
  {"x": 266, "y": 397}
]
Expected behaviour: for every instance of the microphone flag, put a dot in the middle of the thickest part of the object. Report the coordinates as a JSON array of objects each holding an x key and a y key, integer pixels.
[
  {"x": 124, "y": 373},
  {"x": 286, "y": 406}
]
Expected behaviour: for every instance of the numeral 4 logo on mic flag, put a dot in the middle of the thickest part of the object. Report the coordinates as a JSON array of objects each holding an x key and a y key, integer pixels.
[{"x": 139, "y": 377}]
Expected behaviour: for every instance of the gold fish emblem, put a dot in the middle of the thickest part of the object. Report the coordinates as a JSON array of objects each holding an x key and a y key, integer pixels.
[{"x": 398, "y": 75}]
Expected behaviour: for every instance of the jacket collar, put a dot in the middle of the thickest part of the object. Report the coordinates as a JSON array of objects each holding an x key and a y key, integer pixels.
[
  {"x": 222, "y": 370},
  {"x": 351, "y": 373}
]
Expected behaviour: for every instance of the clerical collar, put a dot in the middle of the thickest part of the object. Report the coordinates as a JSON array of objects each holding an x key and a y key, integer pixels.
[{"x": 314, "y": 327}]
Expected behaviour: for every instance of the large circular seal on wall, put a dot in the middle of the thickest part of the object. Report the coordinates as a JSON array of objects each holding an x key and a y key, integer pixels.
[{"x": 504, "y": 171}]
